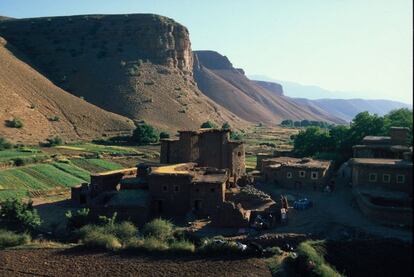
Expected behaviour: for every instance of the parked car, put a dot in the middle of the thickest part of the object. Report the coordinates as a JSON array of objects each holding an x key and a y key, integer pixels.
[{"x": 302, "y": 204}]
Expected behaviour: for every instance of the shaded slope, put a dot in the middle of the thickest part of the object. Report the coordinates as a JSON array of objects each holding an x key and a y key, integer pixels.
[
  {"x": 136, "y": 65},
  {"x": 229, "y": 87},
  {"x": 26, "y": 94}
]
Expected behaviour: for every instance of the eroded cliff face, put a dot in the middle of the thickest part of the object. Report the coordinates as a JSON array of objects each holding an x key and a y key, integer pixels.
[
  {"x": 157, "y": 39},
  {"x": 136, "y": 65}
]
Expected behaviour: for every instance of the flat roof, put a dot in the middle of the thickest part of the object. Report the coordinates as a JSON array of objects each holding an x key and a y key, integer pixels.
[
  {"x": 381, "y": 162},
  {"x": 118, "y": 171},
  {"x": 177, "y": 169},
  {"x": 297, "y": 162}
]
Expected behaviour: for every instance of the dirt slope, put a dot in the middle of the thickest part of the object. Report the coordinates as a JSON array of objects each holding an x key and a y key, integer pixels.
[
  {"x": 218, "y": 79},
  {"x": 136, "y": 65},
  {"x": 29, "y": 96}
]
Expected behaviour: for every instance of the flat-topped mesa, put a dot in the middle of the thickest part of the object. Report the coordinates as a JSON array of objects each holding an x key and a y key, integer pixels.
[{"x": 155, "y": 38}]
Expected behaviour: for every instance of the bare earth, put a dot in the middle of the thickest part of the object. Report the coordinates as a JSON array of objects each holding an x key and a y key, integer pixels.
[{"x": 84, "y": 263}]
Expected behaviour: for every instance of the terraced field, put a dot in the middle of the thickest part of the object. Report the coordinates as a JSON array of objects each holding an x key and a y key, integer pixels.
[
  {"x": 95, "y": 165},
  {"x": 20, "y": 181},
  {"x": 8, "y": 157}
]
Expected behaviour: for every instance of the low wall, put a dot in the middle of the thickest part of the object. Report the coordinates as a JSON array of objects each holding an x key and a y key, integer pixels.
[{"x": 384, "y": 215}]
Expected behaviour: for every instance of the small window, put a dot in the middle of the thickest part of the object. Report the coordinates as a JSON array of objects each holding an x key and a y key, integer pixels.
[
  {"x": 212, "y": 190},
  {"x": 400, "y": 179},
  {"x": 239, "y": 154},
  {"x": 197, "y": 190},
  {"x": 386, "y": 178},
  {"x": 372, "y": 177},
  {"x": 314, "y": 175},
  {"x": 302, "y": 174},
  {"x": 164, "y": 188},
  {"x": 289, "y": 175},
  {"x": 176, "y": 188}
]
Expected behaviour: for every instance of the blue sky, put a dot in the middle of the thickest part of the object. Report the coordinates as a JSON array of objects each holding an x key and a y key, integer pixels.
[{"x": 364, "y": 46}]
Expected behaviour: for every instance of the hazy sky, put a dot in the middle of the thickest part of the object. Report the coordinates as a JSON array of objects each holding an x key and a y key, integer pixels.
[{"x": 355, "y": 45}]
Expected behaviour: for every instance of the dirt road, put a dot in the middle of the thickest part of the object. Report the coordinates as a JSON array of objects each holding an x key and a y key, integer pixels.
[{"x": 85, "y": 263}]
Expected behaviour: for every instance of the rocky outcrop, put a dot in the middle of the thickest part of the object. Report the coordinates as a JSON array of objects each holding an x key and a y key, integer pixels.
[
  {"x": 271, "y": 86},
  {"x": 136, "y": 65}
]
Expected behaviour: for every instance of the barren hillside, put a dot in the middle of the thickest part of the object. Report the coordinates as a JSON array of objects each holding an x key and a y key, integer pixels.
[
  {"x": 218, "y": 79},
  {"x": 137, "y": 65},
  {"x": 47, "y": 110}
]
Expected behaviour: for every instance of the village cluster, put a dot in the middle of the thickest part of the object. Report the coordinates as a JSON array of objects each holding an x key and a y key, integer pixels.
[{"x": 202, "y": 174}]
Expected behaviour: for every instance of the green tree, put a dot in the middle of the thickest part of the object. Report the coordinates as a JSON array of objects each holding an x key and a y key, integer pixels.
[
  {"x": 226, "y": 126},
  {"x": 144, "y": 134},
  {"x": 287, "y": 123},
  {"x": 400, "y": 118},
  {"x": 164, "y": 135},
  {"x": 208, "y": 124},
  {"x": 311, "y": 141},
  {"x": 18, "y": 215}
]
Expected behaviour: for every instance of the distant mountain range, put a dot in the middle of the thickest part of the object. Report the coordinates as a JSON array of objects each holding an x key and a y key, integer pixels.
[{"x": 329, "y": 101}]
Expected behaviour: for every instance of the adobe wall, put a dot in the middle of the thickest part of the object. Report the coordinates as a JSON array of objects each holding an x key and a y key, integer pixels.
[
  {"x": 360, "y": 178},
  {"x": 211, "y": 196},
  {"x": 278, "y": 176},
  {"x": 385, "y": 215},
  {"x": 174, "y": 192},
  {"x": 212, "y": 149},
  {"x": 237, "y": 162}
]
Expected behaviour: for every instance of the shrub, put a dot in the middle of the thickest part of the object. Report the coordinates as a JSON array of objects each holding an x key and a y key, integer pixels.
[
  {"x": 144, "y": 134},
  {"x": 50, "y": 142},
  {"x": 159, "y": 228},
  {"x": 236, "y": 136},
  {"x": 210, "y": 246},
  {"x": 14, "y": 123},
  {"x": 4, "y": 144},
  {"x": 123, "y": 231},
  {"x": 208, "y": 124},
  {"x": 9, "y": 239},
  {"x": 182, "y": 246},
  {"x": 78, "y": 219},
  {"x": 96, "y": 239},
  {"x": 54, "y": 118},
  {"x": 164, "y": 135},
  {"x": 152, "y": 244},
  {"x": 19, "y": 215}
]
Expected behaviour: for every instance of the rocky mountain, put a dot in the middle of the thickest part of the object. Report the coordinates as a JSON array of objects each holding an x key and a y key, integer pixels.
[
  {"x": 136, "y": 65},
  {"x": 46, "y": 110},
  {"x": 253, "y": 101}
]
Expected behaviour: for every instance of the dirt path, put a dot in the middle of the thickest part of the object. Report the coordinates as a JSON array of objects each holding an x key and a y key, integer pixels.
[{"x": 85, "y": 263}]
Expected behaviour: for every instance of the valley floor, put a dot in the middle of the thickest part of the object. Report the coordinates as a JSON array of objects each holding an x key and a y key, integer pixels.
[{"x": 70, "y": 262}]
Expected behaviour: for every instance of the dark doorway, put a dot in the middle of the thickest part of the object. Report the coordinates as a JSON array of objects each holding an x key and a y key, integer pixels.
[
  {"x": 158, "y": 206},
  {"x": 197, "y": 205},
  {"x": 82, "y": 199}
]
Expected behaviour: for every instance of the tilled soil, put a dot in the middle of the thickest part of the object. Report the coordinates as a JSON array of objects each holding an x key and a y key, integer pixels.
[{"x": 48, "y": 262}]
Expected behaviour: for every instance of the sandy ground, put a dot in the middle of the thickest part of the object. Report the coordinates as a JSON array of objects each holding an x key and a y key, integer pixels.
[{"x": 86, "y": 263}]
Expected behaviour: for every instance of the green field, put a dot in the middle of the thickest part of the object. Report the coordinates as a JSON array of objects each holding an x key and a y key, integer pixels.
[
  {"x": 95, "y": 165},
  {"x": 25, "y": 155},
  {"x": 101, "y": 149},
  {"x": 46, "y": 176}
]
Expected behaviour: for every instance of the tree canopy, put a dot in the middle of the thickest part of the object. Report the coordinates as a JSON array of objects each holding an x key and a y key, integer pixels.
[{"x": 144, "y": 134}]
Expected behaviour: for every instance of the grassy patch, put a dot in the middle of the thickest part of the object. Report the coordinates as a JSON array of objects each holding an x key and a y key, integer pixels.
[
  {"x": 9, "y": 239},
  {"x": 312, "y": 252},
  {"x": 102, "y": 149},
  {"x": 159, "y": 228},
  {"x": 24, "y": 155}
]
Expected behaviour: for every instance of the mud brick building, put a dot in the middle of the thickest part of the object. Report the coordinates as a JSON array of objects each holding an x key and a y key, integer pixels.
[
  {"x": 180, "y": 188},
  {"x": 389, "y": 174},
  {"x": 387, "y": 147},
  {"x": 297, "y": 173},
  {"x": 207, "y": 148}
]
